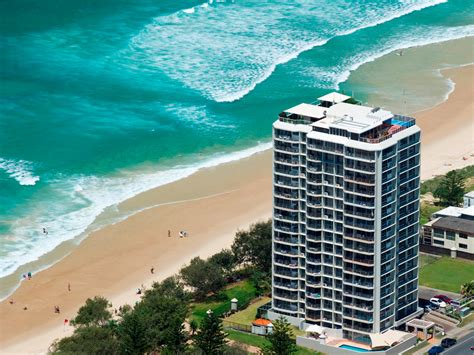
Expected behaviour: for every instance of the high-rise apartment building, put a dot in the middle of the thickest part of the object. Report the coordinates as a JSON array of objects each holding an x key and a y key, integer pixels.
[{"x": 345, "y": 216}]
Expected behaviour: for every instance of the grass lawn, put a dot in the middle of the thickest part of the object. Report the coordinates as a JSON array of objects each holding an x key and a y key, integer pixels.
[
  {"x": 259, "y": 341},
  {"x": 445, "y": 273},
  {"x": 244, "y": 291},
  {"x": 247, "y": 316}
]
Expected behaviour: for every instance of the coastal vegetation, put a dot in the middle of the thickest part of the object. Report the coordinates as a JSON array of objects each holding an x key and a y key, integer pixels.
[
  {"x": 183, "y": 313},
  {"x": 445, "y": 190},
  {"x": 445, "y": 273}
]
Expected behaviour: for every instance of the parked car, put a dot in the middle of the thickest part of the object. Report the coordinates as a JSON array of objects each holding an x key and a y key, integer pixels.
[
  {"x": 444, "y": 298},
  {"x": 456, "y": 304},
  {"x": 438, "y": 302},
  {"x": 448, "y": 342},
  {"x": 435, "y": 350}
]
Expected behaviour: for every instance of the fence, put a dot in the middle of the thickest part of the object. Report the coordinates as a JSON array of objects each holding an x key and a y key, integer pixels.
[{"x": 237, "y": 326}]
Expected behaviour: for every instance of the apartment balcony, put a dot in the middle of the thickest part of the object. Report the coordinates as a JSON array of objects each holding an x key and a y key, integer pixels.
[
  {"x": 360, "y": 155},
  {"x": 360, "y": 190},
  {"x": 282, "y": 169},
  {"x": 313, "y": 260},
  {"x": 288, "y": 217},
  {"x": 286, "y": 193},
  {"x": 358, "y": 235},
  {"x": 359, "y": 224},
  {"x": 283, "y": 272},
  {"x": 363, "y": 306},
  {"x": 359, "y": 247},
  {"x": 359, "y": 282},
  {"x": 286, "y": 285},
  {"x": 284, "y": 250},
  {"x": 363, "y": 328},
  {"x": 360, "y": 167},
  {"x": 313, "y": 304},
  {"x": 313, "y": 250},
  {"x": 359, "y": 212},
  {"x": 359, "y": 201},
  {"x": 359, "y": 271},
  {"x": 358, "y": 316},
  {"x": 357, "y": 294},
  {"x": 285, "y": 238},
  {"x": 313, "y": 270},
  {"x": 288, "y": 262},
  {"x": 286, "y": 182},
  {"x": 277, "y": 293},
  {"x": 313, "y": 295},
  {"x": 287, "y": 161},
  {"x": 286, "y": 147}
]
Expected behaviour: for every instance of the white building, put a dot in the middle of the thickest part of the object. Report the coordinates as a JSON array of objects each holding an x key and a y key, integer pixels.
[
  {"x": 469, "y": 199},
  {"x": 345, "y": 217}
]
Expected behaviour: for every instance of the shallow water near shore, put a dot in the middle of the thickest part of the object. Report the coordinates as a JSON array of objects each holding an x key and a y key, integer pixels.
[{"x": 102, "y": 103}]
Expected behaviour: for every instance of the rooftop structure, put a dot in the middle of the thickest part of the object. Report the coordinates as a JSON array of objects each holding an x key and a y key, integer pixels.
[{"x": 357, "y": 122}]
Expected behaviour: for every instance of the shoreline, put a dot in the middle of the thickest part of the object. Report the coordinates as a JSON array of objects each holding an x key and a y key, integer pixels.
[
  {"x": 111, "y": 214},
  {"x": 211, "y": 205}
]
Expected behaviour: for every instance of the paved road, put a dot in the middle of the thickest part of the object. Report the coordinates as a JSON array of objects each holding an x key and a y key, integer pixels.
[
  {"x": 463, "y": 346},
  {"x": 426, "y": 293}
]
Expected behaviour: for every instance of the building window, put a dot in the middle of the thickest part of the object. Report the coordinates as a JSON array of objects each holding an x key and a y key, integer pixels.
[
  {"x": 438, "y": 233},
  {"x": 462, "y": 235},
  {"x": 439, "y": 242},
  {"x": 450, "y": 235},
  {"x": 463, "y": 246}
]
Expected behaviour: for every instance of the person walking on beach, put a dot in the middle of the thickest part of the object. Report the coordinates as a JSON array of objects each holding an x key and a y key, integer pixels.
[
  {"x": 57, "y": 310},
  {"x": 169, "y": 233},
  {"x": 69, "y": 287},
  {"x": 29, "y": 275},
  {"x": 152, "y": 270}
]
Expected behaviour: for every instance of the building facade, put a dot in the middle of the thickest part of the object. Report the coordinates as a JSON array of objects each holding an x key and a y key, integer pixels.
[
  {"x": 450, "y": 232},
  {"x": 345, "y": 217}
]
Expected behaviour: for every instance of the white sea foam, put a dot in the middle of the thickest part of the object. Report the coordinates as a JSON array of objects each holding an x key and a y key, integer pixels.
[
  {"x": 89, "y": 197},
  {"x": 20, "y": 170},
  {"x": 224, "y": 52},
  {"x": 333, "y": 76}
]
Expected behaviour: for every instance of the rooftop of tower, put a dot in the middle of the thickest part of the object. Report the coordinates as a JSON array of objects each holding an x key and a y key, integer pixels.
[{"x": 339, "y": 114}]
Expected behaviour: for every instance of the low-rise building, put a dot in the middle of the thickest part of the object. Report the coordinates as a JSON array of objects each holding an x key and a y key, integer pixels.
[
  {"x": 469, "y": 199},
  {"x": 450, "y": 232}
]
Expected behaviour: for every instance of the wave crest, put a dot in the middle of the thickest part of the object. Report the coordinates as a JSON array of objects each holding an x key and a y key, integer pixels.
[{"x": 20, "y": 170}]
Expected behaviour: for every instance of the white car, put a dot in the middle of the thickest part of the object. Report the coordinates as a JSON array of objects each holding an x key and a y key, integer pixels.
[{"x": 438, "y": 302}]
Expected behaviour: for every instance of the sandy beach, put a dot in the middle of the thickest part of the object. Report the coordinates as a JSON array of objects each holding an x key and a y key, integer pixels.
[
  {"x": 211, "y": 206},
  {"x": 448, "y": 129}
]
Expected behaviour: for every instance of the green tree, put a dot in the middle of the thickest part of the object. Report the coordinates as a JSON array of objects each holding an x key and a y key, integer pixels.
[
  {"x": 211, "y": 338},
  {"x": 255, "y": 246},
  {"x": 193, "y": 326},
  {"x": 451, "y": 189},
  {"x": 203, "y": 276},
  {"x": 467, "y": 289},
  {"x": 225, "y": 259},
  {"x": 94, "y": 312},
  {"x": 281, "y": 339},
  {"x": 132, "y": 333},
  {"x": 88, "y": 340},
  {"x": 262, "y": 282},
  {"x": 157, "y": 322}
]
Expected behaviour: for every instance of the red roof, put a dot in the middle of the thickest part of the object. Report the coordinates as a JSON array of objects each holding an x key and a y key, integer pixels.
[{"x": 261, "y": 322}]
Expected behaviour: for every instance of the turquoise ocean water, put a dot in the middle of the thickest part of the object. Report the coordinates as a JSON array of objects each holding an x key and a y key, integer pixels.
[{"x": 102, "y": 100}]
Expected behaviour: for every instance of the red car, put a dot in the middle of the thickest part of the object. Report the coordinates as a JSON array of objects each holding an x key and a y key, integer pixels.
[{"x": 444, "y": 298}]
